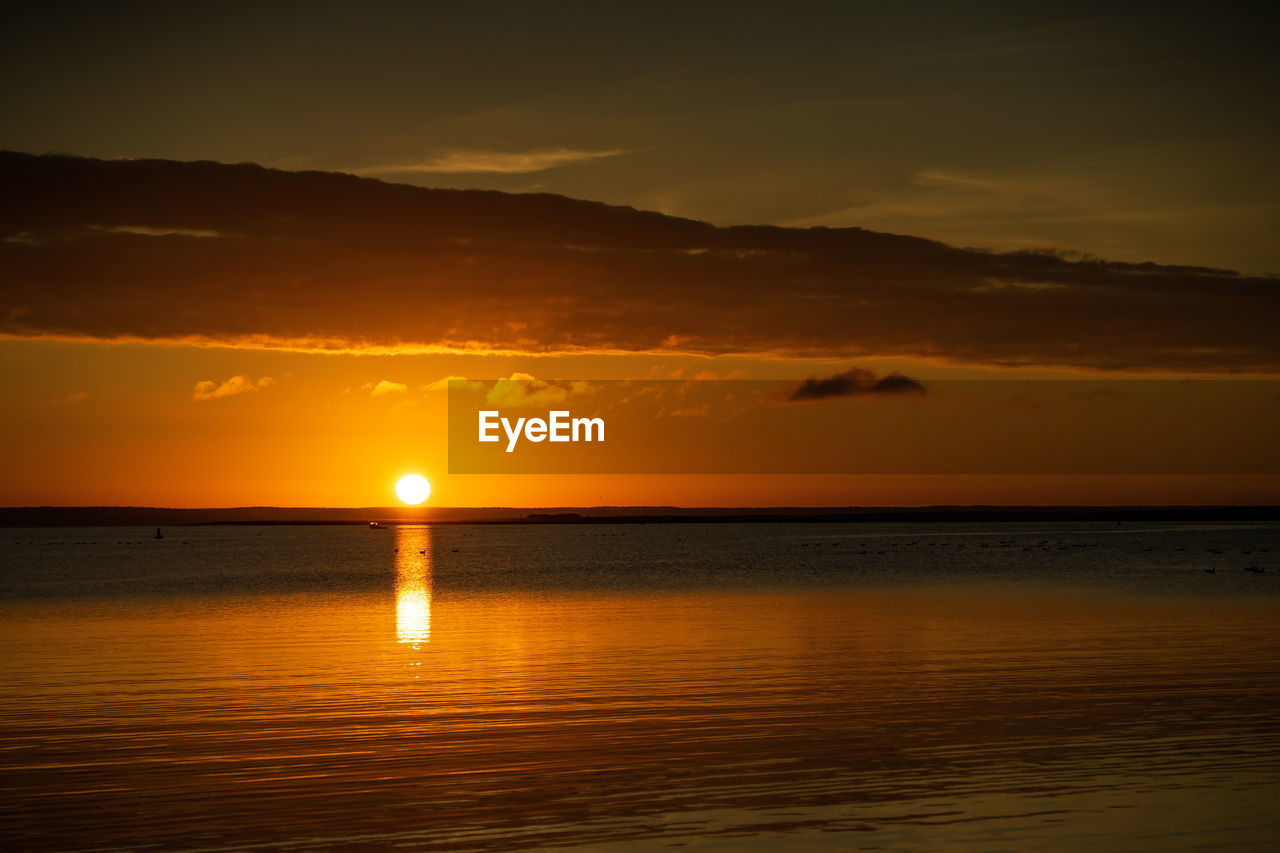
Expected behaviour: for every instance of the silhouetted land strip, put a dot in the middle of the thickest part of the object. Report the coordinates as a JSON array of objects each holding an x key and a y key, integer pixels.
[{"x": 160, "y": 516}]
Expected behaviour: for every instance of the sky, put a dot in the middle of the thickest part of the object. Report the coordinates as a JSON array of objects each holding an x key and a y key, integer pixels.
[
  {"x": 1134, "y": 131},
  {"x": 1040, "y": 191}
]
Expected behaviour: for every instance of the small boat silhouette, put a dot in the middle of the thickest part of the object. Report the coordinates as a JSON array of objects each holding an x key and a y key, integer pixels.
[{"x": 377, "y": 525}]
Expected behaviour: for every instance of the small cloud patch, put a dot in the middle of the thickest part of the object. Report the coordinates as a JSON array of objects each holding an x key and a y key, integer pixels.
[
  {"x": 209, "y": 390},
  {"x": 854, "y": 382},
  {"x": 384, "y": 388},
  {"x": 521, "y": 389},
  {"x": 443, "y": 384}
]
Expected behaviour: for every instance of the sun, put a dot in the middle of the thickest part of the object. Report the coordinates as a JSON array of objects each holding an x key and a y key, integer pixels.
[{"x": 413, "y": 489}]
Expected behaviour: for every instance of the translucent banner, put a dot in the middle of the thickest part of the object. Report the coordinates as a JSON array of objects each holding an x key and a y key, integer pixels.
[{"x": 854, "y": 424}]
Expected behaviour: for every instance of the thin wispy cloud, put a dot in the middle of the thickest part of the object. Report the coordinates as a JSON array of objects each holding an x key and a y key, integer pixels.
[
  {"x": 148, "y": 231},
  {"x": 935, "y": 195},
  {"x": 499, "y": 162},
  {"x": 1053, "y": 207},
  {"x": 936, "y": 178}
]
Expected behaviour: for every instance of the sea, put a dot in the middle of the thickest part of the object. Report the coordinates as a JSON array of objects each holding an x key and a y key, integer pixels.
[{"x": 1028, "y": 686}]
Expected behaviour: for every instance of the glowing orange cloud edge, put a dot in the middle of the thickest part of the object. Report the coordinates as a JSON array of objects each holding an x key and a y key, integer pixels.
[{"x": 341, "y": 346}]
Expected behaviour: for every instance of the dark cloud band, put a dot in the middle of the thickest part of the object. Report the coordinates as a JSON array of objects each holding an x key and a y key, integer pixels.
[{"x": 241, "y": 255}]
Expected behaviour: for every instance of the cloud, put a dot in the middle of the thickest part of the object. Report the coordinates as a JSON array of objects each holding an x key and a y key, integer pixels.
[
  {"x": 332, "y": 262},
  {"x": 521, "y": 389},
  {"x": 501, "y": 162},
  {"x": 1045, "y": 208},
  {"x": 383, "y": 388},
  {"x": 443, "y": 383},
  {"x": 148, "y": 231},
  {"x": 209, "y": 390},
  {"x": 73, "y": 397},
  {"x": 699, "y": 411},
  {"x": 854, "y": 382},
  {"x": 936, "y": 178}
]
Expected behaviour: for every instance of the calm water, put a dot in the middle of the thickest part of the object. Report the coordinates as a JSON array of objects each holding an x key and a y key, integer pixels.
[{"x": 722, "y": 687}]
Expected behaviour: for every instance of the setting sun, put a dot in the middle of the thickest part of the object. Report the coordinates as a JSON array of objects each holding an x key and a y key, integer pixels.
[{"x": 413, "y": 489}]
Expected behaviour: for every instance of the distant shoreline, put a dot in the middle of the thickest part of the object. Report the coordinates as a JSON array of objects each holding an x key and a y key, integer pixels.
[{"x": 161, "y": 517}]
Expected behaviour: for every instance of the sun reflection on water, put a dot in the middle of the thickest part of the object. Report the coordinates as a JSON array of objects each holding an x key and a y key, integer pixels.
[{"x": 413, "y": 584}]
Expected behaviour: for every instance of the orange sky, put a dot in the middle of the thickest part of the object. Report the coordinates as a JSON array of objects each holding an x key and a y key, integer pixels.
[
  {"x": 119, "y": 424},
  {"x": 206, "y": 335}
]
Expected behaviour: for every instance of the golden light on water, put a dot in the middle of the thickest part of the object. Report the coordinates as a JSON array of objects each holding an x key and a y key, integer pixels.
[
  {"x": 413, "y": 489},
  {"x": 413, "y": 584}
]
